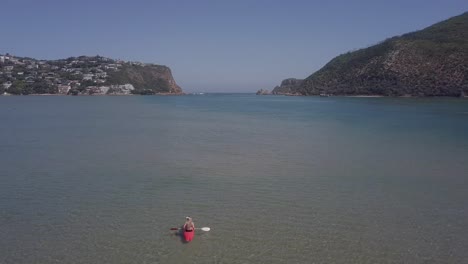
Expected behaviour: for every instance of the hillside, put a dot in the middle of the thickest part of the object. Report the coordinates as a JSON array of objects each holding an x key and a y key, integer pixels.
[
  {"x": 83, "y": 75},
  {"x": 429, "y": 62}
]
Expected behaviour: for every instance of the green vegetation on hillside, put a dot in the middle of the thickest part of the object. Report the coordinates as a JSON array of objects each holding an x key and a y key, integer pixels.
[
  {"x": 430, "y": 62},
  {"x": 20, "y": 87}
]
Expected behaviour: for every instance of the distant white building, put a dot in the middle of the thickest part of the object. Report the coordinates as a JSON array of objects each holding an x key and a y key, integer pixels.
[
  {"x": 104, "y": 89},
  {"x": 15, "y": 61},
  {"x": 88, "y": 76},
  {"x": 75, "y": 83},
  {"x": 123, "y": 89},
  {"x": 97, "y": 90},
  {"x": 101, "y": 74},
  {"x": 30, "y": 79},
  {"x": 107, "y": 67},
  {"x": 64, "y": 89},
  {"x": 127, "y": 88},
  {"x": 7, "y": 85},
  {"x": 32, "y": 66}
]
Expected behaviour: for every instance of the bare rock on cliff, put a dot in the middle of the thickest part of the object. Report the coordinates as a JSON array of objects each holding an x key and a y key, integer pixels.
[
  {"x": 263, "y": 92},
  {"x": 147, "y": 79}
]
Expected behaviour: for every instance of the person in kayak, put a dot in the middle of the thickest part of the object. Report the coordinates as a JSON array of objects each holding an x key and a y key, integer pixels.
[
  {"x": 189, "y": 225},
  {"x": 189, "y": 229}
]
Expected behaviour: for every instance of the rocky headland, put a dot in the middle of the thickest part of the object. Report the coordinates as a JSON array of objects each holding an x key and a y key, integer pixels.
[
  {"x": 429, "y": 62},
  {"x": 263, "y": 92},
  {"x": 288, "y": 87}
]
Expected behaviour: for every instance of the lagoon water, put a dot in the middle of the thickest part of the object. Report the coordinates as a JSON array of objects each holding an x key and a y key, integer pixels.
[{"x": 277, "y": 179}]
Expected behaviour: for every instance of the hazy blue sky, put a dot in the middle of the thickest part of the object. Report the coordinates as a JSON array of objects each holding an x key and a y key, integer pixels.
[{"x": 213, "y": 45}]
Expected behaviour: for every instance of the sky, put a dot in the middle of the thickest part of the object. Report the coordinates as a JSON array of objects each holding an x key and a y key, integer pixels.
[{"x": 213, "y": 46}]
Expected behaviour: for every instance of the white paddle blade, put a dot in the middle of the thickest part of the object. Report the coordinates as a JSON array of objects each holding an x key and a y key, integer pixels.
[{"x": 205, "y": 229}]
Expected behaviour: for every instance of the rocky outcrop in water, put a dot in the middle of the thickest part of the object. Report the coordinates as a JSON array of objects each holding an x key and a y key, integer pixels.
[{"x": 263, "y": 92}]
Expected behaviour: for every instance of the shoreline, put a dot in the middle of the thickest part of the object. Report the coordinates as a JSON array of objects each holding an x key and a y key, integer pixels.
[
  {"x": 156, "y": 94},
  {"x": 373, "y": 96},
  {"x": 366, "y": 96},
  {"x": 182, "y": 94}
]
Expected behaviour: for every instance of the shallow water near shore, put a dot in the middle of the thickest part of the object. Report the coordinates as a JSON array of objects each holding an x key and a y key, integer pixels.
[{"x": 277, "y": 179}]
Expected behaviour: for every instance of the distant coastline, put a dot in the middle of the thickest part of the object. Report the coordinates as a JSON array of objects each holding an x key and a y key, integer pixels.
[
  {"x": 155, "y": 94},
  {"x": 365, "y": 96},
  {"x": 84, "y": 75}
]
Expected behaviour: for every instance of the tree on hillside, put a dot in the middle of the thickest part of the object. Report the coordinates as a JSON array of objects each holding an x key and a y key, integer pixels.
[
  {"x": 43, "y": 87},
  {"x": 17, "y": 88}
]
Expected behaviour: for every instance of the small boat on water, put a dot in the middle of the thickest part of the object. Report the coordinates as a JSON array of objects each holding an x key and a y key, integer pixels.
[{"x": 189, "y": 229}]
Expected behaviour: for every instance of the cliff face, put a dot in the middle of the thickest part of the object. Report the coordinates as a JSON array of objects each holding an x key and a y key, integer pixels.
[
  {"x": 288, "y": 87},
  {"x": 147, "y": 79},
  {"x": 430, "y": 62}
]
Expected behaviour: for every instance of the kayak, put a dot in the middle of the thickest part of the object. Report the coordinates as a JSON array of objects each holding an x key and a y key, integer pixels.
[{"x": 188, "y": 235}]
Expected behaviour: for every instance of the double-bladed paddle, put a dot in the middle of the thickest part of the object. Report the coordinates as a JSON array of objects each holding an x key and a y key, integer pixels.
[{"x": 202, "y": 228}]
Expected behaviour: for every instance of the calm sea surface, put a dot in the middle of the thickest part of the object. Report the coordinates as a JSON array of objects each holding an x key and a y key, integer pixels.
[{"x": 277, "y": 179}]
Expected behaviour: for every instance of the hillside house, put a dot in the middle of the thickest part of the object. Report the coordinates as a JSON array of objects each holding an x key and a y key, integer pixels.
[
  {"x": 101, "y": 74},
  {"x": 7, "y": 85},
  {"x": 88, "y": 77},
  {"x": 64, "y": 89}
]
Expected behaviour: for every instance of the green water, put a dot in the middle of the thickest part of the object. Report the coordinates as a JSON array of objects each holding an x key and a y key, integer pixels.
[{"x": 277, "y": 179}]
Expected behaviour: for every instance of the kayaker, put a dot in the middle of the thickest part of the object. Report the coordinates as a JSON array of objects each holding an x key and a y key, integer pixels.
[
  {"x": 189, "y": 225},
  {"x": 189, "y": 229}
]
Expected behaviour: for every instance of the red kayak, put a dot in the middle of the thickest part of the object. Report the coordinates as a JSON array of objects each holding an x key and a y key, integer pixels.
[{"x": 188, "y": 235}]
